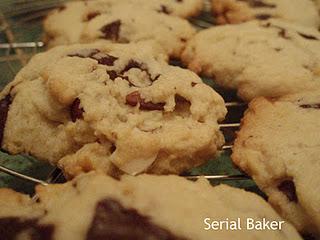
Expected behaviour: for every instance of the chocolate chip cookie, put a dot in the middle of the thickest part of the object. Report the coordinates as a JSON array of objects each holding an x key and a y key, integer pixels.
[
  {"x": 146, "y": 207},
  {"x": 279, "y": 146},
  {"x": 237, "y": 11},
  {"x": 123, "y": 21},
  {"x": 258, "y": 58},
  {"x": 96, "y": 106}
]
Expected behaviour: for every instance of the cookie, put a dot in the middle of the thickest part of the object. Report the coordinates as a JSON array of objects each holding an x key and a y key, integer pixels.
[
  {"x": 124, "y": 22},
  {"x": 258, "y": 58},
  {"x": 85, "y": 107},
  {"x": 237, "y": 11},
  {"x": 98, "y": 207},
  {"x": 279, "y": 146}
]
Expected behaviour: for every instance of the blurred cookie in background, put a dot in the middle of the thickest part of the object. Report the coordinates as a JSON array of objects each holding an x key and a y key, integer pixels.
[
  {"x": 302, "y": 12},
  {"x": 257, "y": 58},
  {"x": 117, "y": 21}
]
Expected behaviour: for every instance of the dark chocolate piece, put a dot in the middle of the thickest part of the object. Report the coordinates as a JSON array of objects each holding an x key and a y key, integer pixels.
[
  {"x": 61, "y": 8},
  {"x": 289, "y": 189},
  {"x": 134, "y": 98},
  {"x": 258, "y": 4},
  {"x": 105, "y": 59},
  {"x": 112, "y": 74},
  {"x": 111, "y": 30},
  {"x": 102, "y": 58},
  {"x": 132, "y": 64},
  {"x": 164, "y": 9},
  {"x": 180, "y": 99},
  {"x": 156, "y": 77},
  {"x": 263, "y": 16},
  {"x": 76, "y": 112},
  {"x": 4, "y": 108},
  {"x": 315, "y": 106},
  {"x": 92, "y": 15},
  {"x": 306, "y": 36},
  {"x": 113, "y": 148},
  {"x": 113, "y": 221},
  {"x": 11, "y": 227},
  {"x": 85, "y": 53}
]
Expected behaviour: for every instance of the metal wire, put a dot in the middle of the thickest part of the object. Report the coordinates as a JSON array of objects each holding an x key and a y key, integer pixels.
[
  {"x": 22, "y": 176},
  {"x": 219, "y": 177},
  {"x": 14, "y": 45},
  {"x": 55, "y": 171}
]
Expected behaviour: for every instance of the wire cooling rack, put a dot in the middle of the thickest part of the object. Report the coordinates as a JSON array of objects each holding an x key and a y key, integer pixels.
[{"x": 15, "y": 53}]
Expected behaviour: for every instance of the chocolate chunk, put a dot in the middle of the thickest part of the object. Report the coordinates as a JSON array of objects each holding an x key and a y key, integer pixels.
[
  {"x": 92, "y": 15},
  {"x": 112, "y": 74},
  {"x": 179, "y": 1},
  {"x": 11, "y": 227},
  {"x": 263, "y": 16},
  {"x": 61, "y": 8},
  {"x": 193, "y": 84},
  {"x": 134, "y": 98},
  {"x": 156, "y": 77},
  {"x": 315, "y": 106},
  {"x": 164, "y": 9},
  {"x": 84, "y": 53},
  {"x": 113, "y": 221},
  {"x": 111, "y": 30},
  {"x": 104, "y": 59},
  {"x": 306, "y": 36},
  {"x": 132, "y": 64},
  {"x": 288, "y": 188},
  {"x": 76, "y": 112},
  {"x": 4, "y": 108},
  {"x": 258, "y": 3},
  {"x": 113, "y": 148},
  {"x": 180, "y": 99}
]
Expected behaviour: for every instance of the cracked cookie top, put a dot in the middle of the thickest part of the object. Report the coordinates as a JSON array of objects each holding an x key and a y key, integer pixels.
[{"x": 111, "y": 107}]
